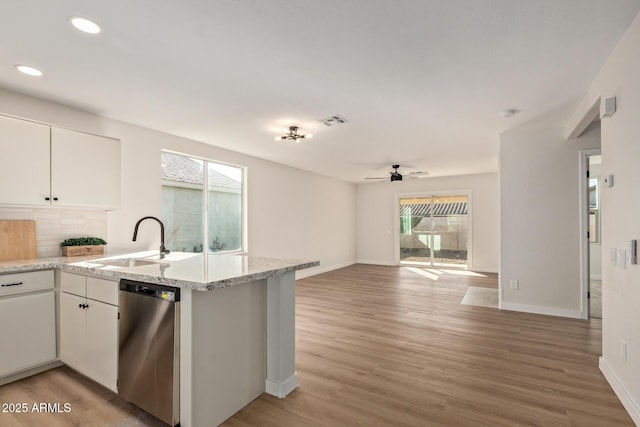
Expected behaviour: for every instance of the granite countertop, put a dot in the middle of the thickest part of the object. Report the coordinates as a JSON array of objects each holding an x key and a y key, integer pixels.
[{"x": 180, "y": 269}]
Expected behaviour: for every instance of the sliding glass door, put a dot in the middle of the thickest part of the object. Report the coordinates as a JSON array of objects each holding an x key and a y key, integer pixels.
[{"x": 434, "y": 230}]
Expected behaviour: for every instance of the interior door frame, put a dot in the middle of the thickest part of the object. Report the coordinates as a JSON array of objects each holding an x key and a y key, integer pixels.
[
  {"x": 585, "y": 261},
  {"x": 396, "y": 219}
]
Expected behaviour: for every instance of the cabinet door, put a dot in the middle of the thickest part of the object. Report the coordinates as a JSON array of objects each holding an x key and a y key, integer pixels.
[
  {"x": 28, "y": 331},
  {"x": 102, "y": 343},
  {"x": 85, "y": 170},
  {"x": 73, "y": 327},
  {"x": 24, "y": 163}
]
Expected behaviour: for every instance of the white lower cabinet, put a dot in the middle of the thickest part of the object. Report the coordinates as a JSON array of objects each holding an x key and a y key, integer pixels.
[
  {"x": 28, "y": 331},
  {"x": 89, "y": 327}
]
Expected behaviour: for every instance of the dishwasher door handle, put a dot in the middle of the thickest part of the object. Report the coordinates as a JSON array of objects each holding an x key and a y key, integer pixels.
[{"x": 145, "y": 291}]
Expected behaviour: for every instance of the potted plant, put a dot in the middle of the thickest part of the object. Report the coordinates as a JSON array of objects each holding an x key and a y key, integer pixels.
[{"x": 83, "y": 246}]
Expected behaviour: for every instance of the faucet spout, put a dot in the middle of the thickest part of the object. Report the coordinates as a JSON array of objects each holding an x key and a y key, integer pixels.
[{"x": 163, "y": 249}]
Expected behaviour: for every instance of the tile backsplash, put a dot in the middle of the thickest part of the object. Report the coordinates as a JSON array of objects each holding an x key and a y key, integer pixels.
[{"x": 54, "y": 225}]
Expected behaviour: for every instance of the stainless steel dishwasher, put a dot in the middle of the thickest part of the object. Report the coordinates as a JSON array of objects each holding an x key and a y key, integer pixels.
[{"x": 149, "y": 352}]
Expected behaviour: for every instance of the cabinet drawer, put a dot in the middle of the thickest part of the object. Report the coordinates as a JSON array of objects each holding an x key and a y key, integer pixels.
[
  {"x": 18, "y": 283},
  {"x": 102, "y": 290},
  {"x": 73, "y": 284}
]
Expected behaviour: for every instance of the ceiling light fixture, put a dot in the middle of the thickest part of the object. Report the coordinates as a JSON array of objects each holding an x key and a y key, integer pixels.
[
  {"x": 85, "y": 25},
  {"x": 30, "y": 71},
  {"x": 293, "y": 135}
]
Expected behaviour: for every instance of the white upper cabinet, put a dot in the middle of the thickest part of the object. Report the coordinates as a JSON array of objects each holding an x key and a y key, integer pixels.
[
  {"x": 85, "y": 170},
  {"x": 42, "y": 165},
  {"x": 24, "y": 162}
]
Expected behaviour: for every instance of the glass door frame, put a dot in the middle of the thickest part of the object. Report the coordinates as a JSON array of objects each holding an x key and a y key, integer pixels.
[{"x": 439, "y": 193}]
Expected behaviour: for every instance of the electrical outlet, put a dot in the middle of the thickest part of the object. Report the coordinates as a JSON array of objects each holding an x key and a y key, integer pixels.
[
  {"x": 623, "y": 351},
  {"x": 513, "y": 284}
]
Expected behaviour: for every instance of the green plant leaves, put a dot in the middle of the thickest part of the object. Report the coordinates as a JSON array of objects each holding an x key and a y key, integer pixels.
[{"x": 83, "y": 241}]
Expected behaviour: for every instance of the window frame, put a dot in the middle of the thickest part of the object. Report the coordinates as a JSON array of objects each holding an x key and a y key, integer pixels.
[
  {"x": 244, "y": 241},
  {"x": 435, "y": 193}
]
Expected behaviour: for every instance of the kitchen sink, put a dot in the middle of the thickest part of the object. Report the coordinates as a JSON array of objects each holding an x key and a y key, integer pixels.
[{"x": 127, "y": 262}]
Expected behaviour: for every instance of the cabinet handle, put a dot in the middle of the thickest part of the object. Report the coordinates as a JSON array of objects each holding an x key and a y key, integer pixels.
[
  {"x": 47, "y": 198},
  {"x": 79, "y": 305},
  {"x": 55, "y": 199},
  {"x": 83, "y": 306},
  {"x": 6, "y": 285}
]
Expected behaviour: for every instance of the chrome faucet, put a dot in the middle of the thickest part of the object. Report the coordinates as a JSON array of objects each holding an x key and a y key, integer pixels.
[{"x": 163, "y": 249}]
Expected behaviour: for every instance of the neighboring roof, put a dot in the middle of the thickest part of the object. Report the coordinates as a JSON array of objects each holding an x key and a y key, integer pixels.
[
  {"x": 440, "y": 209},
  {"x": 183, "y": 169}
]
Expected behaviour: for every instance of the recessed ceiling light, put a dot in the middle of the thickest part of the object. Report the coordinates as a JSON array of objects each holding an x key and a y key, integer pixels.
[
  {"x": 28, "y": 70},
  {"x": 85, "y": 25}
]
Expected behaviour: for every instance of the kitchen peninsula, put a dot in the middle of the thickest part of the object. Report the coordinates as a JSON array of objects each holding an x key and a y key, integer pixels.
[{"x": 237, "y": 322}]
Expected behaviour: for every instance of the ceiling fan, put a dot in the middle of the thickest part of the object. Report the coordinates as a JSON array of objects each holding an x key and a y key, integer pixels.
[{"x": 397, "y": 176}]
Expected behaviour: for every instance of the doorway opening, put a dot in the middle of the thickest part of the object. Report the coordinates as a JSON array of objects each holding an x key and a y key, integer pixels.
[
  {"x": 435, "y": 230},
  {"x": 594, "y": 181}
]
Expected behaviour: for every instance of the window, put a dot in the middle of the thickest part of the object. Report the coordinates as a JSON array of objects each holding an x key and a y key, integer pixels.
[{"x": 198, "y": 220}]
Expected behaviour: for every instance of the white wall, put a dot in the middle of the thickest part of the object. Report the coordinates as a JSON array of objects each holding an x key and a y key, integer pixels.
[
  {"x": 620, "y": 215},
  {"x": 595, "y": 261},
  {"x": 376, "y": 210},
  {"x": 55, "y": 225},
  {"x": 291, "y": 213},
  {"x": 540, "y": 215}
]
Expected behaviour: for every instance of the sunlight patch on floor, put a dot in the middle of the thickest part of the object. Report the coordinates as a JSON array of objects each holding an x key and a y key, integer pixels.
[
  {"x": 423, "y": 272},
  {"x": 462, "y": 273},
  {"x": 481, "y": 297},
  {"x": 433, "y": 273}
]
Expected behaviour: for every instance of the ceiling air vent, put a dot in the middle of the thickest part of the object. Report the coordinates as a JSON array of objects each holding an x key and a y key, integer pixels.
[{"x": 333, "y": 120}]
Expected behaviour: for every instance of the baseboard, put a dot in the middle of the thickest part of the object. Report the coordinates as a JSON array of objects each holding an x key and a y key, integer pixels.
[
  {"x": 281, "y": 390},
  {"x": 619, "y": 389},
  {"x": 301, "y": 274},
  {"x": 29, "y": 372},
  {"x": 596, "y": 277},
  {"x": 375, "y": 262},
  {"x": 539, "y": 309}
]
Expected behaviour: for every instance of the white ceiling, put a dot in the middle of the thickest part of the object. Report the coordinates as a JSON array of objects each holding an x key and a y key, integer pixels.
[{"x": 421, "y": 82}]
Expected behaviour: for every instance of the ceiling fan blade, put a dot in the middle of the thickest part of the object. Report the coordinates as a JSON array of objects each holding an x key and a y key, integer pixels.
[
  {"x": 416, "y": 175},
  {"x": 395, "y": 175}
]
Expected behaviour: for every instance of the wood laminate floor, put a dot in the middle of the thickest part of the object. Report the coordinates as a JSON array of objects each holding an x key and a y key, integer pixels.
[{"x": 393, "y": 346}]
